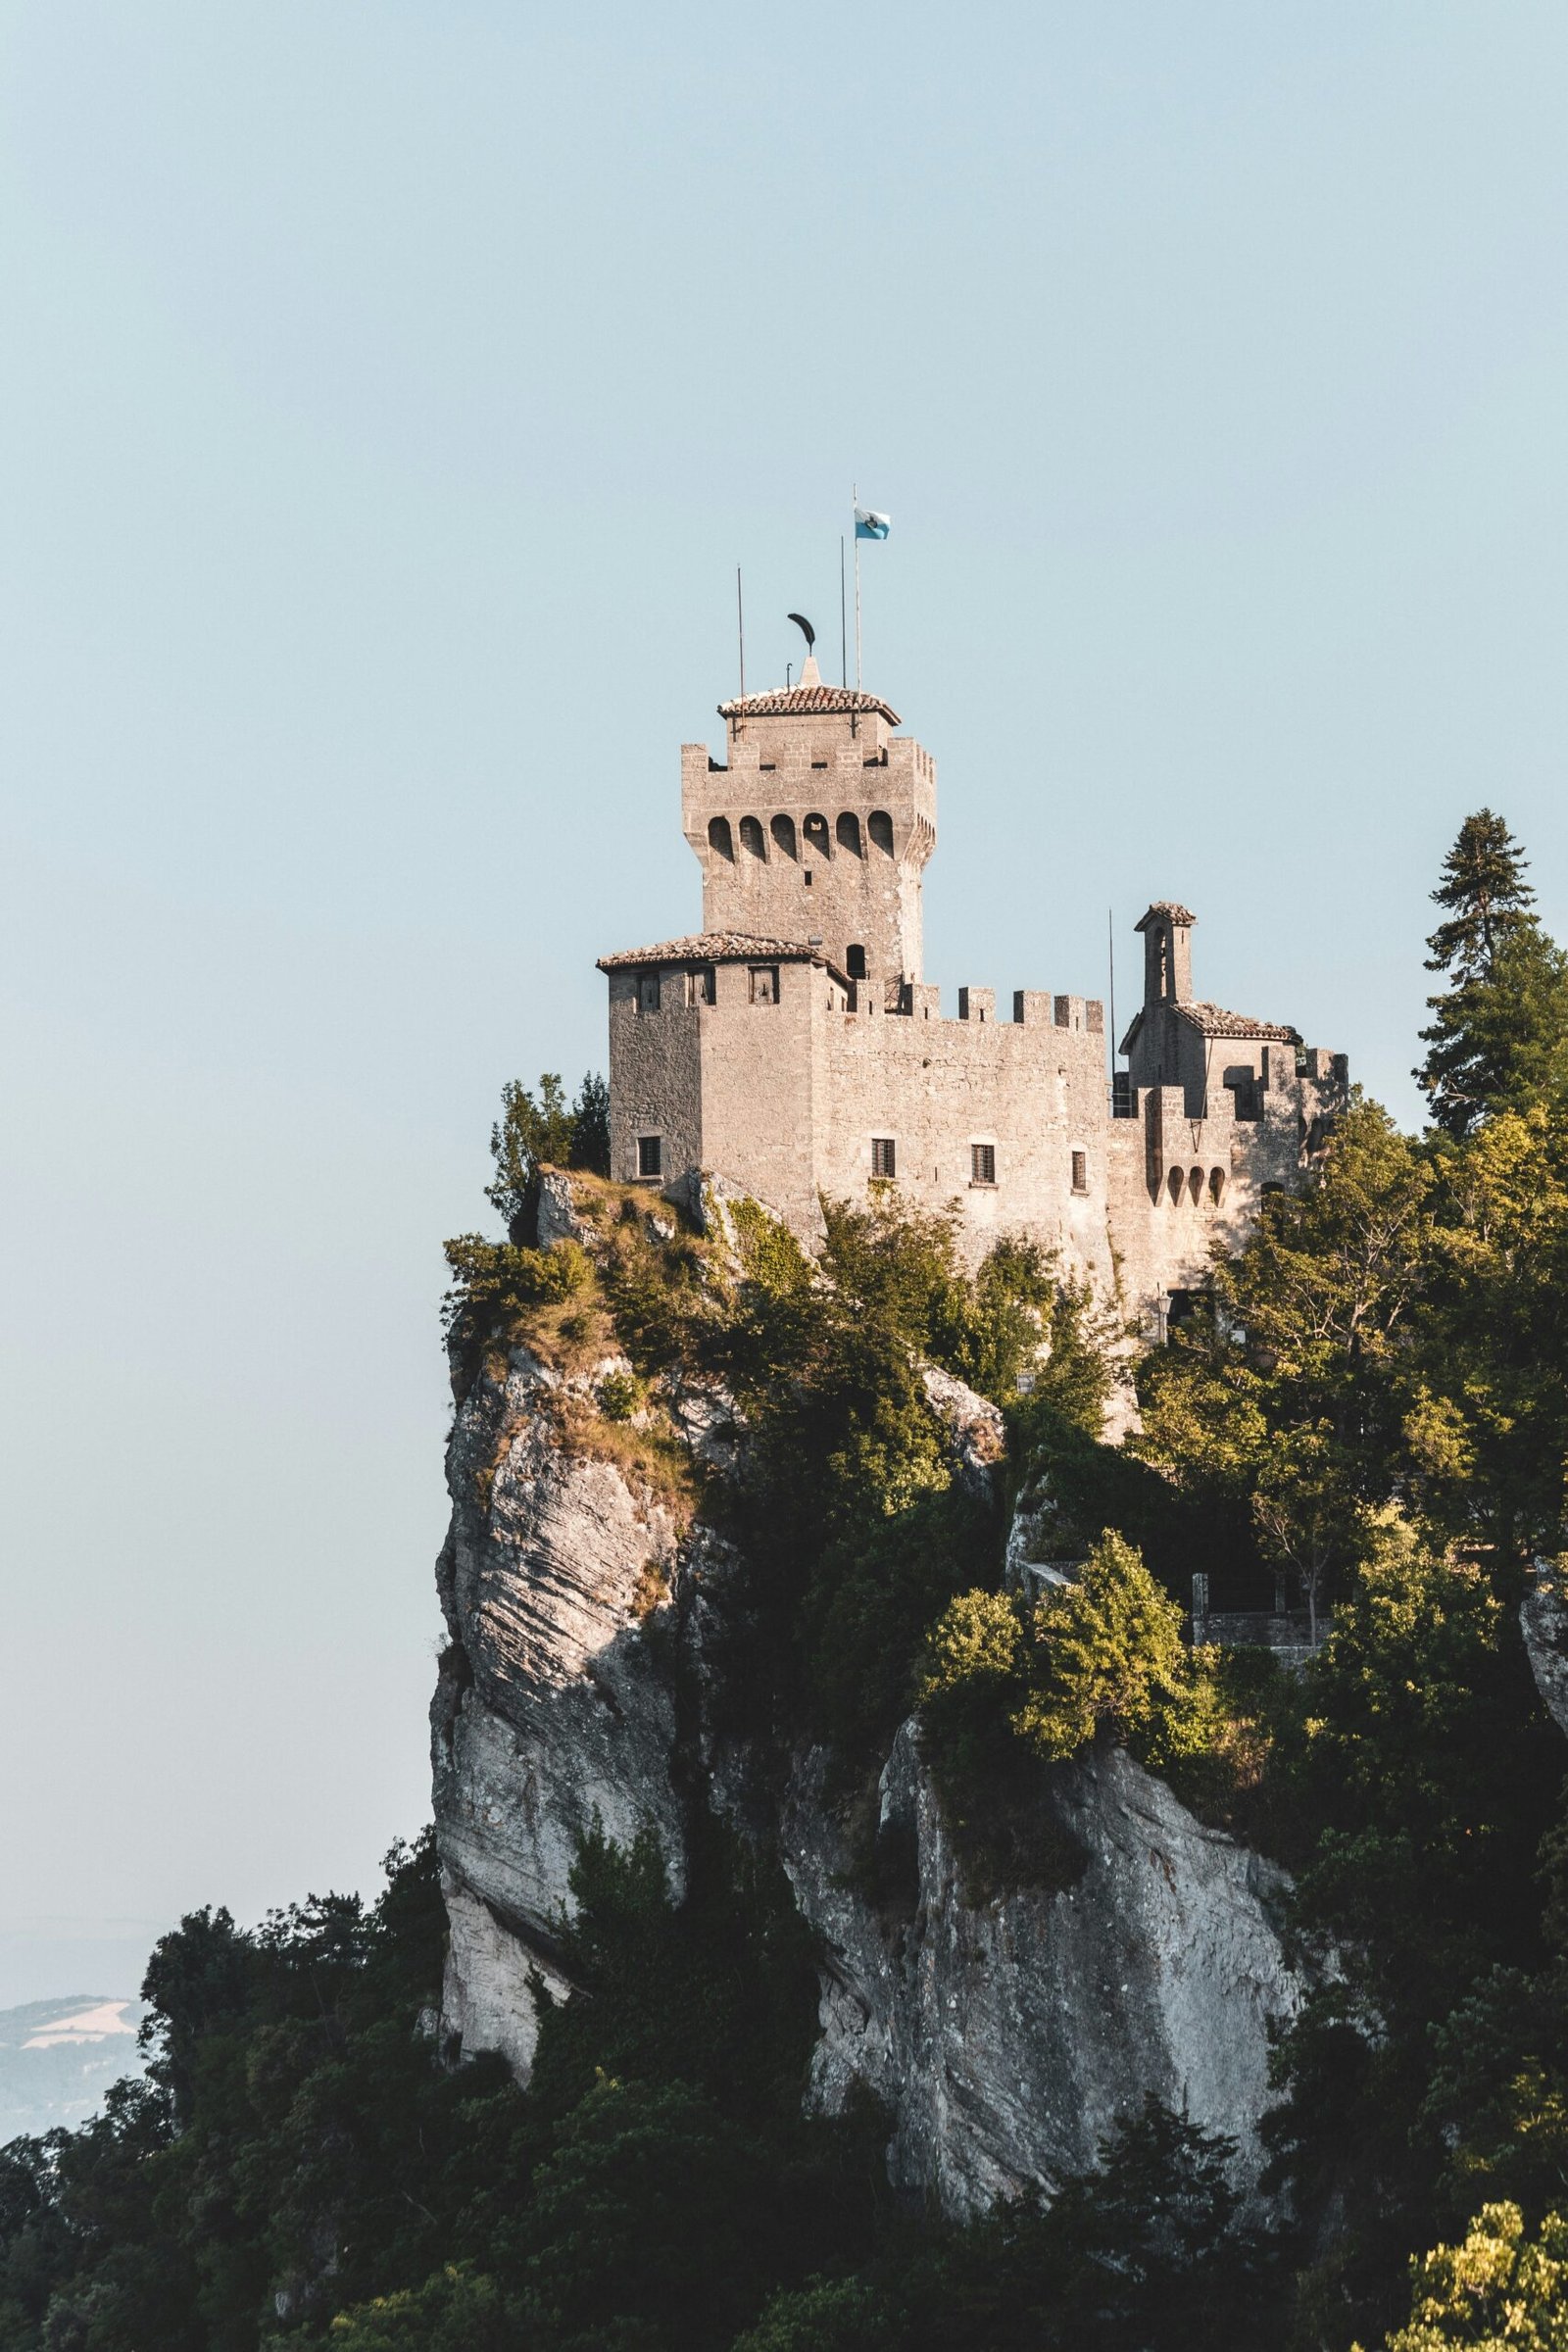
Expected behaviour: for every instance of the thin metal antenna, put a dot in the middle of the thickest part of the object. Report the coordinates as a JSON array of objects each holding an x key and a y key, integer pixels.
[
  {"x": 1110, "y": 941},
  {"x": 740, "y": 624}
]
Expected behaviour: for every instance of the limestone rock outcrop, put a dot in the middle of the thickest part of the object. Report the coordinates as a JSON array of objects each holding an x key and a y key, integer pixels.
[
  {"x": 549, "y": 1713},
  {"x": 1544, "y": 1622},
  {"x": 1004, "y": 2037}
]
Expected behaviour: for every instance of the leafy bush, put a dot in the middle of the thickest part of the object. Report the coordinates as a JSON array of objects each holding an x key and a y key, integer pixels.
[
  {"x": 455, "y": 2310},
  {"x": 830, "y": 2315},
  {"x": 621, "y": 1395},
  {"x": 1101, "y": 1656},
  {"x": 495, "y": 1284},
  {"x": 900, "y": 1268},
  {"x": 1503, "y": 2291},
  {"x": 1004, "y": 1691},
  {"x": 1108, "y": 1658}
]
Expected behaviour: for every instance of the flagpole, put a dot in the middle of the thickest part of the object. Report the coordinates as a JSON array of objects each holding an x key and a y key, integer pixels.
[
  {"x": 854, "y": 497},
  {"x": 844, "y": 641}
]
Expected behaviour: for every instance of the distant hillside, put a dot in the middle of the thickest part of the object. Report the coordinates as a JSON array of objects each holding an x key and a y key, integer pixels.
[{"x": 58, "y": 2058}]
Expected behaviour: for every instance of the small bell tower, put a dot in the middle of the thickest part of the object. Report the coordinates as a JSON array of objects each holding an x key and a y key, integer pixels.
[{"x": 1167, "y": 931}]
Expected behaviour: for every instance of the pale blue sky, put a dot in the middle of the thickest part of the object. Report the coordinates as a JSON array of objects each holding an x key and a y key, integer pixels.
[{"x": 389, "y": 392}]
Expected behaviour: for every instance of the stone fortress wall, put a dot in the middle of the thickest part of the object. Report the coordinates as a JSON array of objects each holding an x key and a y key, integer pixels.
[{"x": 794, "y": 1045}]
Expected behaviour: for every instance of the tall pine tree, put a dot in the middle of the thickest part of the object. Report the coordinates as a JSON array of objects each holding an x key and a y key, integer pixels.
[{"x": 1499, "y": 1037}]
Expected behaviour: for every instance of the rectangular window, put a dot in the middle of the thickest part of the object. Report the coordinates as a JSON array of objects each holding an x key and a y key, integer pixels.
[
  {"x": 884, "y": 1155},
  {"x": 1080, "y": 1172},
  {"x": 650, "y": 1156},
  {"x": 648, "y": 992},
  {"x": 982, "y": 1164},
  {"x": 700, "y": 984},
  {"x": 764, "y": 984},
  {"x": 855, "y": 962}
]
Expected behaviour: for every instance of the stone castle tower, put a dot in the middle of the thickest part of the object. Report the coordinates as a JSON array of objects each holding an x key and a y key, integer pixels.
[
  {"x": 794, "y": 1045},
  {"x": 817, "y": 830}
]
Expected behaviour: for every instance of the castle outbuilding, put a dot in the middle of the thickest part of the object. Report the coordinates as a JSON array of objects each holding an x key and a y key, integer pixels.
[{"x": 794, "y": 1045}]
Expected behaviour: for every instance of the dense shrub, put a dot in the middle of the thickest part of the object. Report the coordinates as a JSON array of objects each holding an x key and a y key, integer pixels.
[{"x": 494, "y": 1284}]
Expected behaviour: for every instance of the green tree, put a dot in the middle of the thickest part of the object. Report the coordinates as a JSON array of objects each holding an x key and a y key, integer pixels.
[
  {"x": 653, "y": 2222},
  {"x": 455, "y": 2310},
  {"x": 827, "y": 2315},
  {"x": 1108, "y": 1657},
  {"x": 1148, "y": 2252},
  {"x": 1498, "y": 1036},
  {"x": 542, "y": 1130},
  {"x": 1418, "y": 1719},
  {"x": 1487, "y": 1425},
  {"x": 531, "y": 1131},
  {"x": 1293, "y": 1391},
  {"x": 590, "y": 1127},
  {"x": 1487, "y": 896},
  {"x": 1101, "y": 1656},
  {"x": 1501, "y": 2291}
]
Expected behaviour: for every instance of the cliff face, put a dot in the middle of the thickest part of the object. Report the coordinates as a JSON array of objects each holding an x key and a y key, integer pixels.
[
  {"x": 550, "y": 1709},
  {"x": 1003, "y": 2038},
  {"x": 1544, "y": 1622},
  {"x": 1006, "y": 2038}
]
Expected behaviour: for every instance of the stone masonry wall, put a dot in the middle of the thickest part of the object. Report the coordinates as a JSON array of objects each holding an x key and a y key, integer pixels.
[
  {"x": 1032, "y": 1089},
  {"x": 759, "y": 1085},
  {"x": 655, "y": 1075},
  {"x": 785, "y": 1098},
  {"x": 843, "y": 885}
]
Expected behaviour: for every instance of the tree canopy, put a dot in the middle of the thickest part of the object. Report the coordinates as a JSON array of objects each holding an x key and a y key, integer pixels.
[{"x": 1498, "y": 1036}]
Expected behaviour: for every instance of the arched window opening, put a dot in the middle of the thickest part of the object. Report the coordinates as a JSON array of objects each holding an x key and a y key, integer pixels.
[
  {"x": 783, "y": 831},
  {"x": 816, "y": 839},
  {"x": 751, "y": 841},
  {"x": 849, "y": 832},
  {"x": 855, "y": 962},
  {"x": 880, "y": 827},
  {"x": 1195, "y": 1187},
  {"x": 1174, "y": 1185},
  {"x": 1216, "y": 1186},
  {"x": 719, "y": 838}
]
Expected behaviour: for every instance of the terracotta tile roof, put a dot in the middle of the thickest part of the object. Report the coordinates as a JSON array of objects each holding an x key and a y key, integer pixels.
[
  {"x": 789, "y": 701},
  {"x": 1214, "y": 1021},
  {"x": 1166, "y": 906},
  {"x": 721, "y": 947}
]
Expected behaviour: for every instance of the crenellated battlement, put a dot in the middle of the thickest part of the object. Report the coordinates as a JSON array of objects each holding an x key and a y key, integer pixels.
[{"x": 795, "y": 1046}]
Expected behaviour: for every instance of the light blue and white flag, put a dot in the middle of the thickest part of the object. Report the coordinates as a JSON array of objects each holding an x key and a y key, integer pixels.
[{"x": 868, "y": 524}]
